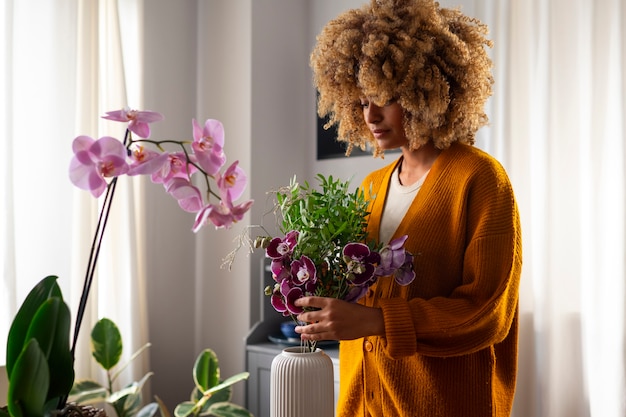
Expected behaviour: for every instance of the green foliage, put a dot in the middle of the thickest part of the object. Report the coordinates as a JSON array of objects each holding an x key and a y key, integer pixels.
[
  {"x": 40, "y": 366},
  {"x": 210, "y": 396},
  {"x": 327, "y": 219},
  {"x": 106, "y": 348},
  {"x": 106, "y": 341}
]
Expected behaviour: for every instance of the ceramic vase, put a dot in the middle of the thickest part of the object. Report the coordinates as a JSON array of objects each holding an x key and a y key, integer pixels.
[{"x": 302, "y": 384}]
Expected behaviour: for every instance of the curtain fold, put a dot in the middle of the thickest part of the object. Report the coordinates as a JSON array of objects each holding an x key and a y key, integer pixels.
[
  {"x": 561, "y": 83},
  {"x": 65, "y": 63}
]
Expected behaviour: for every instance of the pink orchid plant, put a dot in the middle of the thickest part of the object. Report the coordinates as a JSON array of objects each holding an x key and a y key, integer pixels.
[
  {"x": 98, "y": 163},
  {"x": 95, "y": 162},
  {"x": 40, "y": 358}
]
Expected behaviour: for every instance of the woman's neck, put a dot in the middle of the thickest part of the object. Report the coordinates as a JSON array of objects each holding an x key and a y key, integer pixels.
[{"x": 415, "y": 164}]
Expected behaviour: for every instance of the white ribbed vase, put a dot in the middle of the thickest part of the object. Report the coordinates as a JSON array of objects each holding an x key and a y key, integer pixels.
[{"x": 302, "y": 384}]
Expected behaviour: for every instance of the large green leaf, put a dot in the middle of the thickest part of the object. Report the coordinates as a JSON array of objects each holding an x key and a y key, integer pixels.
[
  {"x": 206, "y": 371},
  {"x": 29, "y": 384},
  {"x": 51, "y": 327},
  {"x": 45, "y": 289},
  {"x": 106, "y": 343}
]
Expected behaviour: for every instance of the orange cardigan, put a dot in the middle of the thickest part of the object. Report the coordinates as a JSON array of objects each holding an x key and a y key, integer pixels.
[{"x": 450, "y": 345}]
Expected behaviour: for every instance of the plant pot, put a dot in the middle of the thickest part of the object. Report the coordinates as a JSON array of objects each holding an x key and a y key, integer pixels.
[{"x": 302, "y": 384}]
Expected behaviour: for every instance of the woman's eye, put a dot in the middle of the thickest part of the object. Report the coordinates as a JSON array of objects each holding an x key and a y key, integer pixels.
[{"x": 364, "y": 104}]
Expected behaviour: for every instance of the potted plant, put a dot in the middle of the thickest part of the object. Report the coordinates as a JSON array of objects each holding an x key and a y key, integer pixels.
[
  {"x": 210, "y": 396},
  {"x": 40, "y": 361}
]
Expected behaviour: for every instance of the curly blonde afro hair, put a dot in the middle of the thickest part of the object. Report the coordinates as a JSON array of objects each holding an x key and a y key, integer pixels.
[{"x": 431, "y": 60}]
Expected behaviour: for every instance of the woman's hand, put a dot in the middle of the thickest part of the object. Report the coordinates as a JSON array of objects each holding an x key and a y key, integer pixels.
[{"x": 338, "y": 320}]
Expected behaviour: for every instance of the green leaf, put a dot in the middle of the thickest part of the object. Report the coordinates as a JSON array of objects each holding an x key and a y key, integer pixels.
[
  {"x": 149, "y": 410},
  {"x": 227, "y": 409},
  {"x": 51, "y": 327},
  {"x": 134, "y": 356},
  {"x": 30, "y": 380},
  {"x": 106, "y": 343},
  {"x": 206, "y": 371},
  {"x": 128, "y": 400},
  {"x": 87, "y": 392},
  {"x": 224, "y": 394},
  {"x": 16, "y": 339},
  {"x": 184, "y": 409}
]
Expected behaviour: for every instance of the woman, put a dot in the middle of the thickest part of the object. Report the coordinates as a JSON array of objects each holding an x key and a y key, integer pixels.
[{"x": 408, "y": 74}]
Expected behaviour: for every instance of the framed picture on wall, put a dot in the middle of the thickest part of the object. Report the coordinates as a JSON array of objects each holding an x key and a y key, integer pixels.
[{"x": 327, "y": 144}]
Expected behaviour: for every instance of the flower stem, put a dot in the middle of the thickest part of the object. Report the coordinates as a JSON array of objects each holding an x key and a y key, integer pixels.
[{"x": 93, "y": 258}]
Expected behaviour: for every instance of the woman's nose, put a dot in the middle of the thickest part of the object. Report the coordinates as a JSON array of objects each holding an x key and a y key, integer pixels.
[{"x": 373, "y": 113}]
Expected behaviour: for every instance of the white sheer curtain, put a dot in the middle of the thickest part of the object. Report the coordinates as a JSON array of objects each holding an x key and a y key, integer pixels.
[
  {"x": 558, "y": 125},
  {"x": 64, "y": 63}
]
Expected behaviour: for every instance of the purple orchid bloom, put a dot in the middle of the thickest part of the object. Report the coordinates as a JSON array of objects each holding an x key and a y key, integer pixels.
[
  {"x": 95, "y": 160},
  {"x": 392, "y": 256},
  {"x": 233, "y": 181},
  {"x": 281, "y": 248},
  {"x": 360, "y": 261},
  {"x": 139, "y": 121},
  {"x": 208, "y": 145},
  {"x": 291, "y": 294},
  {"x": 303, "y": 271},
  {"x": 278, "y": 301},
  {"x": 188, "y": 196},
  {"x": 280, "y": 271},
  {"x": 405, "y": 274}
]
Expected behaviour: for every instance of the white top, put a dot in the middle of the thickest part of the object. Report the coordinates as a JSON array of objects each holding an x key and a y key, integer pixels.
[{"x": 399, "y": 199}]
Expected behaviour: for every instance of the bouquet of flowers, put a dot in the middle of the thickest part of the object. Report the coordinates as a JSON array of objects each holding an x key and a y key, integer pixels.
[{"x": 324, "y": 250}]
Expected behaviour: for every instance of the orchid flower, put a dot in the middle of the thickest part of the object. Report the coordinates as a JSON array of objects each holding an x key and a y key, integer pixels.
[
  {"x": 280, "y": 269},
  {"x": 282, "y": 248},
  {"x": 208, "y": 144},
  {"x": 138, "y": 120},
  {"x": 146, "y": 162},
  {"x": 360, "y": 262},
  {"x": 278, "y": 301},
  {"x": 222, "y": 215},
  {"x": 405, "y": 274},
  {"x": 303, "y": 270},
  {"x": 233, "y": 181},
  {"x": 95, "y": 160},
  {"x": 188, "y": 196},
  {"x": 176, "y": 166},
  {"x": 291, "y": 294},
  {"x": 392, "y": 256}
]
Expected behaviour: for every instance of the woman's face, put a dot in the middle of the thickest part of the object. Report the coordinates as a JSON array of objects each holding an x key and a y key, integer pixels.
[{"x": 385, "y": 123}]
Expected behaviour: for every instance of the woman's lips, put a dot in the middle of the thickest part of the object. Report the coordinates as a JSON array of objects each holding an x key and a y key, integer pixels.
[{"x": 379, "y": 133}]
